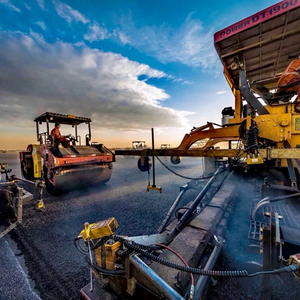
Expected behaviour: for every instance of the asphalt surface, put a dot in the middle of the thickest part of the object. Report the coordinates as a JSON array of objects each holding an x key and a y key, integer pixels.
[
  {"x": 45, "y": 240},
  {"x": 56, "y": 270}
]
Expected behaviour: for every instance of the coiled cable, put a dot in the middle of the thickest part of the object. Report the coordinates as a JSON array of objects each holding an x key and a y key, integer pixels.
[
  {"x": 136, "y": 247},
  {"x": 251, "y": 138},
  {"x": 215, "y": 273}
]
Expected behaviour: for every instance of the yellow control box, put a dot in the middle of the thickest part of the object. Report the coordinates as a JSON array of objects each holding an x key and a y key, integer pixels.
[
  {"x": 99, "y": 229},
  {"x": 255, "y": 160}
]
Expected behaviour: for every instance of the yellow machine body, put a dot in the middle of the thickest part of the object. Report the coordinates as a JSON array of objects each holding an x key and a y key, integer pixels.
[
  {"x": 99, "y": 229},
  {"x": 106, "y": 254},
  {"x": 37, "y": 161}
]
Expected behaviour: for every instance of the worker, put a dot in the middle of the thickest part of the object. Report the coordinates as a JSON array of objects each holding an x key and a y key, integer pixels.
[
  {"x": 58, "y": 138},
  {"x": 291, "y": 76}
]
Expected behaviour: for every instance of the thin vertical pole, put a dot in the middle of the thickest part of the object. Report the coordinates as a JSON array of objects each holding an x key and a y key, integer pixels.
[{"x": 153, "y": 161}]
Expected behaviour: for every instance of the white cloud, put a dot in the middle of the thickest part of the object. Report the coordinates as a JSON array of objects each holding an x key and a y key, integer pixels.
[
  {"x": 27, "y": 6},
  {"x": 221, "y": 92},
  {"x": 41, "y": 4},
  {"x": 99, "y": 33},
  {"x": 96, "y": 33},
  {"x": 122, "y": 37},
  {"x": 190, "y": 44},
  {"x": 41, "y": 24},
  {"x": 35, "y": 36},
  {"x": 9, "y": 5},
  {"x": 37, "y": 77},
  {"x": 68, "y": 13}
]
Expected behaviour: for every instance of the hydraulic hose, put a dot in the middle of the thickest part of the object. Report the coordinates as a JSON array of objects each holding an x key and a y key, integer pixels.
[
  {"x": 243, "y": 273},
  {"x": 137, "y": 248}
]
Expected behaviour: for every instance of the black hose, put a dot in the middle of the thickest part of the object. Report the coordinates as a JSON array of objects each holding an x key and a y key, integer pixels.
[
  {"x": 287, "y": 269},
  {"x": 100, "y": 242},
  {"x": 186, "y": 177},
  {"x": 137, "y": 248},
  {"x": 104, "y": 271},
  {"x": 79, "y": 247},
  {"x": 243, "y": 273},
  {"x": 238, "y": 155}
]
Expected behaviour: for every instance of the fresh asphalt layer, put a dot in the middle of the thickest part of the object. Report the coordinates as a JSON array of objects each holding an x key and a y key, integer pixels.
[
  {"x": 38, "y": 258},
  {"x": 45, "y": 239}
]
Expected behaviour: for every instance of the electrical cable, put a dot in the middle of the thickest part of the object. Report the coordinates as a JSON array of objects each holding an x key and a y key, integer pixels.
[
  {"x": 238, "y": 155},
  {"x": 180, "y": 257},
  {"x": 100, "y": 242},
  {"x": 287, "y": 269},
  {"x": 103, "y": 270},
  {"x": 139, "y": 248},
  {"x": 192, "y": 289},
  {"x": 186, "y": 177},
  {"x": 243, "y": 273},
  {"x": 135, "y": 247},
  {"x": 79, "y": 247}
]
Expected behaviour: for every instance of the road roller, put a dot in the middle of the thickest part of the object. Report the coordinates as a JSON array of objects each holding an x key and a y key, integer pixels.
[{"x": 69, "y": 163}]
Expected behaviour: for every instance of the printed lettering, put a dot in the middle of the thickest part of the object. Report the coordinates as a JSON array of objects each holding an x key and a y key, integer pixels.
[
  {"x": 255, "y": 19},
  {"x": 284, "y": 5},
  {"x": 234, "y": 28},
  {"x": 263, "y": 14},
  {"x": 276, "y": 9}
]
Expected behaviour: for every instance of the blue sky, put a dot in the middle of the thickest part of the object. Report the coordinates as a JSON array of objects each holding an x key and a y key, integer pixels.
[{"x": 128, "y": 65}]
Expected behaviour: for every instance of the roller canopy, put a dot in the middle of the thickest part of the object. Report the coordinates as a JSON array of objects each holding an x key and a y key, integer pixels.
[{"x": 63, "y": 119}]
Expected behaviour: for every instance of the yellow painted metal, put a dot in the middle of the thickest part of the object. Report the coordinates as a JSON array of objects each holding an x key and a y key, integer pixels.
[
  {"x": 37, "y": 162},
  {"x": 271, "y": 153},
  {"x": 40, "y": 205},
  {"x": 229, "y": 80},
  {"x": 255, "y": 160},
  {"x": 238, "y": 106},
  {"x": 275, "y": 127},
  {"x": 99, "y": 229},
  {"x": 150, "y": 187},
  {"x": 208, "y": 131},
  {"x": 106, "y": 255}
]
